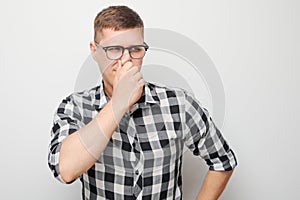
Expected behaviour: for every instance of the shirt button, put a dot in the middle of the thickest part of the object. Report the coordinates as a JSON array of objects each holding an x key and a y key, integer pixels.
[{"x": 137, "y": 172}]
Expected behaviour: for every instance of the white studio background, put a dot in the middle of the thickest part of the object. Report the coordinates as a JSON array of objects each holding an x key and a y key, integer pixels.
[{"x": 253, "y": 44}]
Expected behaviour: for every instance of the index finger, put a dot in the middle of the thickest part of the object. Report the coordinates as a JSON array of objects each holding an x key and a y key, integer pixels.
[{"x": 127, "y": 65}]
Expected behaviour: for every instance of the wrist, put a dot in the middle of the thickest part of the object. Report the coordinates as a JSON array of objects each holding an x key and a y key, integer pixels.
[{"x": 118, "y": 108}]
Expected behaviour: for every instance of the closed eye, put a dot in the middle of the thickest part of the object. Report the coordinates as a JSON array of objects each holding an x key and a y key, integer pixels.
[
  {"x": 137, "y": 48},
  {"x": 115, "y": 49}
]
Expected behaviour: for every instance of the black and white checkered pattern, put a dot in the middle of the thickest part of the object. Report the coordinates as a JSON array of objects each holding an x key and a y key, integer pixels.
[{"x": 144, "y": 156}]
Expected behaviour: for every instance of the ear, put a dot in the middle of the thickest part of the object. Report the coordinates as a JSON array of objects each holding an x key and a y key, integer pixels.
[{"x": 93, "y": 49}]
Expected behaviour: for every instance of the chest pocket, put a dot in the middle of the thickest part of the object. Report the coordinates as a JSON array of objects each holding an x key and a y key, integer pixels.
[{"x": 160, "y": 141}]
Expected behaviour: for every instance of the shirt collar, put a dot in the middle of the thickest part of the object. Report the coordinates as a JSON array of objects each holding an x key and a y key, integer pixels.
[{"x": 149, "y": 96}]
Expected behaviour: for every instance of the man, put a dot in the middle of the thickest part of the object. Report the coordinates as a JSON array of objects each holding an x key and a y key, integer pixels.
[{"x": 124, "y": 138}]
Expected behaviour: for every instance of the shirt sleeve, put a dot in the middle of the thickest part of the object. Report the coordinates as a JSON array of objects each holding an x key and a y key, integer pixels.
[
  {"x": 67, "y": 120},
  {"x": 204, "y": 139}
]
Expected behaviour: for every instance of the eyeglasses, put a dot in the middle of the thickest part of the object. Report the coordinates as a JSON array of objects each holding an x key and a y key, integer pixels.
[{"x": 116, "y": 52}]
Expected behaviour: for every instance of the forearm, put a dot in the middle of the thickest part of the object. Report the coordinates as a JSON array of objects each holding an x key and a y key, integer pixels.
[
  {"x": 80, "y": 150},
  {"x": 213, "y": 184}
]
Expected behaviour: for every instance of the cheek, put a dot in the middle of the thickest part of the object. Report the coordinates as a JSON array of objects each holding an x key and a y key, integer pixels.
[
  {"x": 104, "y": 64},
  {"x": 138, "y": 63}
]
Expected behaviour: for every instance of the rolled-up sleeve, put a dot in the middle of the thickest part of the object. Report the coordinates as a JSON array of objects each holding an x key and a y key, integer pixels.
[
  {"x": 67, "y": 120},
  {"x": 204, "y": 139}
]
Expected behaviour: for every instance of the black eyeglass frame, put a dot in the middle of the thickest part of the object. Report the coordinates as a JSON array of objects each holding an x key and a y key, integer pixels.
[{"x": 105, "y": 48}]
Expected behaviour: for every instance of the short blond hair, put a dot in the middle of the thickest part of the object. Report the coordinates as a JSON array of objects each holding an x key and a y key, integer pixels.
[{"x": 116, "y": 18}]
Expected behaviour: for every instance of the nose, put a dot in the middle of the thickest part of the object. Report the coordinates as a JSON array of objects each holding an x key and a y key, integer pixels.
[{"x": 125, "y": 57}]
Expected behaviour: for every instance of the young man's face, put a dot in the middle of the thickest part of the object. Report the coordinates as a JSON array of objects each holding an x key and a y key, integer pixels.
[{"x": 109, "y": 37}]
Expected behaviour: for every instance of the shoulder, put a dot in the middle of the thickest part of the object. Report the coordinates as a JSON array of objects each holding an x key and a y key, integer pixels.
[
  {"x": 77, "y": 103},
  {"x": 166, "y": 90},
  {"x": 80, "y": 97}
]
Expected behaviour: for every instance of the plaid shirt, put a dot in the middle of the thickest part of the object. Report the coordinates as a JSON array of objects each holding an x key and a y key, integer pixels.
[{"x": 143, "y": 158}]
